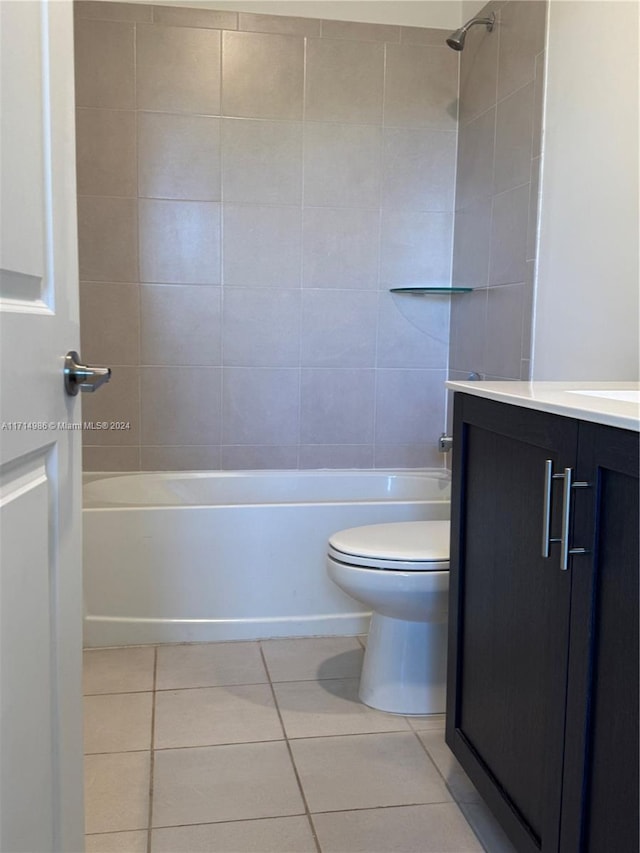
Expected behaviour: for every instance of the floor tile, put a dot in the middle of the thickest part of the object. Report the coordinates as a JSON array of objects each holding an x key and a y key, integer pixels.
[
  {"x": 116, "y": 791},
  {"x": 427, "y": 723},
  {"x": 313, "y": 658},
  {"x": 459, "y": 783},
  {"x": 117, "y": 842},
  {"x": 117, "y": 722},
  {"x": 222, "y": 783},
  {"x": 118, "y": 670},
  {"x": 366, "y": 771},
  {"x": 214, "y": 715},
  {"x": 275, "y": 835},
  {"x": 436, "y": 828},
  {"x": 330, "y": 707},
  {"x": 209, "y": 665},
  {"x": 487, "y": 828}
]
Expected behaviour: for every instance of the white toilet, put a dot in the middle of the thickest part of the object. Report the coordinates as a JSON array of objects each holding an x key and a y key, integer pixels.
[{"x": 400, "y": 571}]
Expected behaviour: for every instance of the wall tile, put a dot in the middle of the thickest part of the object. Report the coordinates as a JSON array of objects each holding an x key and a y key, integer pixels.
[
  {"x": 424, "y": 455},
  {"x": 421, "y": 86},
  {"x": 118, "y": 401},
  {"x": 110, "y": 331},
  {"x": 472, "y": 244},
  {"x": 522, "y": 30},
  {"x": 204, "y": 18},
  {"x": 514, "y": 127},
  {"x": 415, "y": 249},
  {"x": 509, "y": 236},
  {"x": 413, "y": 331},
  {"x": 476, "y": 141},
  {"x": 179, "y": 242},
  {"x": 180, "y": 324},
  {"x": 107, "y": 244},
  {"x": 342, "y": 165},
  {"x": 359, "y": 31},
  {"x": 340, "y": 247},
  {"x": 261, "y": 410},
  {"x": 261, "y": 327},
  {"x": 423, "y": 35},
  {"x": 167, "y": 458},
  {"x": 179, "y": 156},
  {"x": 98, "y": 10},
  {"x": 338, "y": 328},
  {"x": 419, "y": 169},
  {"x": 178, "y": 69},
  {"x": 469, "y": 332},
  {"x": 538, "y": 105},
  {"x": 409, "y": 406},
  {"x": 478, "y": 72},
  {"x": 337, "y": 406},
  {"x": 258, "y": 457},
  {"x": 527, "y": 311},
  {"x": 262, "y": 75},
  {"x": 104, "y": 63},
  {"x": 532, "y": 219},
  {"x": 336, "y": 456},
  {"x": 260, "y": 406},
  {"x": 106, "y": 152},
  {"x": 262, "y": 161},
  {"x": 344, "y": 81},
  {"x": 282, "y": 24},
  {"x": 262, "y": 246},
  {"x": 180, "y": 405},
  {"x": 504, "y": 331},
  {"x": 110, "y": 458}
]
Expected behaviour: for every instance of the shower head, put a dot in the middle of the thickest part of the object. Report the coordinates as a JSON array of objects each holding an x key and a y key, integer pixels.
[{"x": 456, "y": 40}]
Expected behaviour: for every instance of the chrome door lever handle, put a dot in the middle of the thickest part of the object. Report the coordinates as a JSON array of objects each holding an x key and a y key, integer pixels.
[{"x": 82, "y": 377}]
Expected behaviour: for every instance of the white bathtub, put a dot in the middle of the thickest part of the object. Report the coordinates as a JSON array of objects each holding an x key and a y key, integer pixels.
[{"x": 197, "y": 557}]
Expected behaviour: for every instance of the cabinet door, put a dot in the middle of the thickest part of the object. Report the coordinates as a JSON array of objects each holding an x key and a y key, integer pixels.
[
  {"x": 509, "y": 615},
  {"x": 600, "y": 802}
]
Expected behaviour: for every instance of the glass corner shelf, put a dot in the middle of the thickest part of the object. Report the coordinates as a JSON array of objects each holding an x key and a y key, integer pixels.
[{"x": 424, "y": 291}]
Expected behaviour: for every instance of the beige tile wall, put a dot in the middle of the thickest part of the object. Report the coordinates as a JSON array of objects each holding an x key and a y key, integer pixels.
[
  {"x": 250, "y": 187},
  {"x": 497, "y": 192}
]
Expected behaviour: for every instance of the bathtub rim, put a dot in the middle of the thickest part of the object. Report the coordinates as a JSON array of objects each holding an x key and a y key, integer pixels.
[{"x": 443, "y": 474}]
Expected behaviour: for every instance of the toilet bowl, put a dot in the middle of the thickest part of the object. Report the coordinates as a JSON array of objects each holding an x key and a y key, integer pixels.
[{"x": 400, "y": 571}]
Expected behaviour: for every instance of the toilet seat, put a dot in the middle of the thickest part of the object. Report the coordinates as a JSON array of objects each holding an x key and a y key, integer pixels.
[{"x": 414, "y": 546}]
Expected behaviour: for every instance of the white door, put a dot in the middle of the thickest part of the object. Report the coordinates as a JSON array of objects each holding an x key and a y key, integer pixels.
[{"x": 40, "y": 466}]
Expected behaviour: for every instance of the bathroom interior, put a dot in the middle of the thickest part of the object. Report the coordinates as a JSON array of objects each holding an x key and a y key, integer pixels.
[{"x": 296, "y": 222}]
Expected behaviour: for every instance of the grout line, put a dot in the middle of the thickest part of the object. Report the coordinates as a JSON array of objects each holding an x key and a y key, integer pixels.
[
  {"x": 152, "y": 762},
  {"x": 117, "y": 692},
  {"x": 138, "y": 291},
  {"x": 303, "y": 241},
  {"x": 293, "y": 763},
  {"x": 449, "y": 789}
]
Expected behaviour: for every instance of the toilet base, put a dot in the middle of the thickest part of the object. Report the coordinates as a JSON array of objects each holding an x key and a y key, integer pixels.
[{"x": 404, "y": 669}]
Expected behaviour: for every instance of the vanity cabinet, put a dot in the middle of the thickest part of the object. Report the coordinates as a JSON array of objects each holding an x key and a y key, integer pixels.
[{"x": 542, "y": 694}]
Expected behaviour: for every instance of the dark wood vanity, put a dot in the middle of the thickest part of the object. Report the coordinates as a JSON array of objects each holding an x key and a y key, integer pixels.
[{"x": 542, "y": 707}]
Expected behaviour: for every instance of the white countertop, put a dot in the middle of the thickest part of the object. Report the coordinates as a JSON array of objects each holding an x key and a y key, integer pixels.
[{"x": 563, "y": 398}]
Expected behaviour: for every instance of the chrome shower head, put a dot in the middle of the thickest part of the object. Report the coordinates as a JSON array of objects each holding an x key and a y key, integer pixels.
[{"x": 456, "y": 39}]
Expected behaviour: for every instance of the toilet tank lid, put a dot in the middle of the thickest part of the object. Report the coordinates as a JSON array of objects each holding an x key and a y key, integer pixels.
[{"x": 424, "y": 541}]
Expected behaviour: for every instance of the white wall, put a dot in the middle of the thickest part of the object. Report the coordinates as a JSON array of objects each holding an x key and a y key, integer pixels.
[
  {"x": 587, "y": 324},
  {"x": 409, "y": 13}
]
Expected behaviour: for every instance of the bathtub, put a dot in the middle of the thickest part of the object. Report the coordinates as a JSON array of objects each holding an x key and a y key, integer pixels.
[{"x": 208, "y": 556}]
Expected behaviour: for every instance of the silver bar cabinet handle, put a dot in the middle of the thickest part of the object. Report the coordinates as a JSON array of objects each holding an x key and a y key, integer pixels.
[
  {"x": 565, "y": 550},
  {"x": 566, "y": 515},
  {"x": 549, "y": 477},
  {"x": 546, "y": 510}
]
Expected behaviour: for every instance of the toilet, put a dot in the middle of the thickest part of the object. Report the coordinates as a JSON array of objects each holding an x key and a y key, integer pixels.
[{"x": 401, "y": 572}]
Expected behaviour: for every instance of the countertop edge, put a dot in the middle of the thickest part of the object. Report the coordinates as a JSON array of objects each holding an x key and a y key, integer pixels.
[{"x": 552, "y": 397}]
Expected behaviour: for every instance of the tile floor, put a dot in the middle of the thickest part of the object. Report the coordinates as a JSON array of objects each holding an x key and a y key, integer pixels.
[{"x": 263, "y": 747}]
